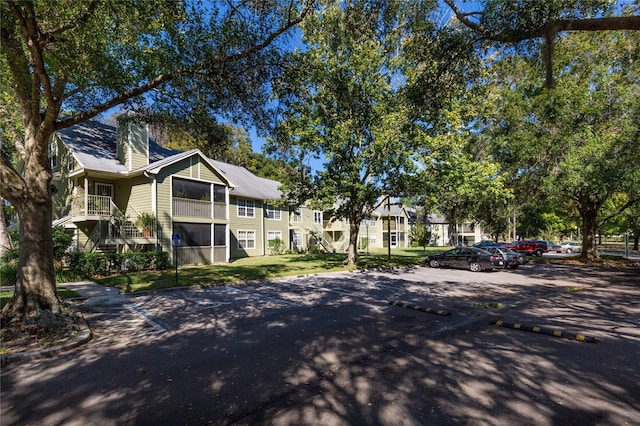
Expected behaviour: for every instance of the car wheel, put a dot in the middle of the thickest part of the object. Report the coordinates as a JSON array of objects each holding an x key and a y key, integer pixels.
[
  {"x": 433, "y": 263},
  {"x": 568, "y": 251},
  {"x": 474, "y": 267},
  {"x": 539, "y": 253}
]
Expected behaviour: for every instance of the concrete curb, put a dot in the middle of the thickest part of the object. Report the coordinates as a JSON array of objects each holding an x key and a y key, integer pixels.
[
  {"x": 546, "y": 331},
  {"x": 418, "y": 308},
  {"x": 84, "y": 336}
]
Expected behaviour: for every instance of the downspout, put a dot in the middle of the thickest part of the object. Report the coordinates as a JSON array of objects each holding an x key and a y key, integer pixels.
[{"x": 86, "y": 195}]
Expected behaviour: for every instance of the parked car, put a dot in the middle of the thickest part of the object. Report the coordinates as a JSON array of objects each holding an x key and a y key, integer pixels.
[
  {"x": 571, "y": 247},
  {"x": 512, "y": 259},
  {"x": 529, "y": 247},
  {"x": 484, "y": 244},
  {"x": 473, "y": 258},
  {"x": 551, "y": 246}
]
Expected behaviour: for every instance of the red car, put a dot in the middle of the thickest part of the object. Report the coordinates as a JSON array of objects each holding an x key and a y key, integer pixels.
[{"x": 529, "y": 247}]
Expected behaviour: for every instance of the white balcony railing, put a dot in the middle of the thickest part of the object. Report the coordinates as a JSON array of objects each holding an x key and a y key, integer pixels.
[{"x": 94, "y": 205}]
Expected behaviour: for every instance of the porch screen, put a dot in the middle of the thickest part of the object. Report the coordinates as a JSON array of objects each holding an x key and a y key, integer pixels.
[
  {"x": 193, "y": 234},
  {"x": 183, "y": 188}
]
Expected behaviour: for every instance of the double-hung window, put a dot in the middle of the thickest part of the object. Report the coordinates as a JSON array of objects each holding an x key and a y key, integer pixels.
[
  {"x": 273, "y": 213},
  {"x": 317, "y": 217},
  {"x": 246, "y": 208},
  {"x": 274, "y": 235},
  {"x": 246, "y": 239}
]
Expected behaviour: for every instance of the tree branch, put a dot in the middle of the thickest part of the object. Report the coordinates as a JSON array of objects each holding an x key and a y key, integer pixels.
[
  {"x": 621, "y": 210},
  {"x": 613, "y": 23},
  {"x": 121, "y": 98},
  {"x": 12, "y": 186}
]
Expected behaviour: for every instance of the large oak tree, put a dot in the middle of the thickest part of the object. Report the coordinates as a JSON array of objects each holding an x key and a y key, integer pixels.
[{"x": 85, "y": 58}]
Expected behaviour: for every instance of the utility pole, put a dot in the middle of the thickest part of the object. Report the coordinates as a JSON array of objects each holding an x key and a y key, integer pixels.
[{"x": 388, "y": 228}]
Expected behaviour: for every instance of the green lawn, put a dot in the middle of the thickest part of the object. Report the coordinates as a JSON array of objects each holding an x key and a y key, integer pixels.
[
  {"x": 264, "y": 267},
  {"x": 63, "y": 293}
]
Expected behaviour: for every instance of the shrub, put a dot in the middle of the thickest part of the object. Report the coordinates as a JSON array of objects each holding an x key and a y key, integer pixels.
[
  {"x": 61, "y": 239},
  {"x": 95, "y": 264},
  {"x": 276, "y": 246},
  {"x": 8, "y": 272}
]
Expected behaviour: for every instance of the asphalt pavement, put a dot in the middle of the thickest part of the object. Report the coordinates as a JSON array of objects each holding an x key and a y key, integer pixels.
[{"x": 402, "y": 347}]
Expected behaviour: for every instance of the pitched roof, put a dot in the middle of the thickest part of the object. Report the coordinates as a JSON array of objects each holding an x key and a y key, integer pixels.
[
  {"x": 246, "y": 184},
  {"x": 93, "y": 145}
]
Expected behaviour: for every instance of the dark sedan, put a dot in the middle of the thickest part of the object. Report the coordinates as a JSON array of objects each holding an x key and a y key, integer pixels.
[{"x": 472, "y": 258}]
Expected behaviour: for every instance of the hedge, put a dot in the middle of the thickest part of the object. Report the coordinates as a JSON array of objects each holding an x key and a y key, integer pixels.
[
  {"x": 87, "y": 265},
  {"x": 100, "y": 264}
]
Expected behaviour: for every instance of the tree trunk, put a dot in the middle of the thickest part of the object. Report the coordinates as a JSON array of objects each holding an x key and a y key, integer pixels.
[
  {"x": 589, "y": 213},
  {"x": 35, "y": 289},
  {"x": 635, "y": 242},
  {"x": 5, "y": 240},
  {"x": 352, "y": 251}
]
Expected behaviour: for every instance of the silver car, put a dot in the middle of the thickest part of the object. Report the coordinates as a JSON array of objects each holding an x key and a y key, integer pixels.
[{"x": 571, "y": 247}]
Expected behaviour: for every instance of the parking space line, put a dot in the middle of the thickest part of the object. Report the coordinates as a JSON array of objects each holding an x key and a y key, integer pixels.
[
  {"x": 259, "y": 296},
  {"x": 326, "y": 289},
  {"x": 155, "y": 322}
]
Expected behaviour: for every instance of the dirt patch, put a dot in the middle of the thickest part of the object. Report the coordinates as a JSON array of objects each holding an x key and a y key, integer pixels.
[
  {"x": 605, "y": 262},
  {"x": 29, "y": 334}
]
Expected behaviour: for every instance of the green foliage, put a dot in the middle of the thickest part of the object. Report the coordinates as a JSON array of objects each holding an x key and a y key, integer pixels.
[
  {"x": 8, "y": 272},
  {"x": 276, "y": 246},
  {"x": 89, "y": 265},
  {"x": 342, "y": 105},
  {"x": 420, "y": 235},
  {"x": 146, "y": 221},
  {"x": 62, "y": 239}
]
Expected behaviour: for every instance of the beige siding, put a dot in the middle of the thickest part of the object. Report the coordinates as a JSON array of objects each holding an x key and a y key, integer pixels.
[
  {"x": 122, "y": 145},
  {"x": 139, "y": 146},
  {"x": 140, "y": 200},
  {"x": 237, "y": 223},
  {"x": 277, "y": 225},
  {"x": 163, "y": 215}
]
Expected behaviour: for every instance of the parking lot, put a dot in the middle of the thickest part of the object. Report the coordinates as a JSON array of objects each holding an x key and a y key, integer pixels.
[{"x": 415, "y": 346}]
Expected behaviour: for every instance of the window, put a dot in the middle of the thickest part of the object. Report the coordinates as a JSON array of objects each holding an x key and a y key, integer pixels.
[
  {"x": 317, "y": 217},
  {"x": 401, "y": 220},
  {"x": 193, "y": 234},
  {"x": 273, "y": 213},
  {"x": 297, "y": 240},
  {"x": 53, "y": 154},
  {"x": 219, "y": 235},
  {"x": 246, "y": 208},
  {"x": 373, "y": 222},
  {"x": 272, "y": 235},
  {"x": 246, "y": 239},
  {"x": 104, "y": 189},
  {"x": 71, "y": 164},
  {"x": 296, "y": 217},
  {"x": 372, "y": 239}
]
